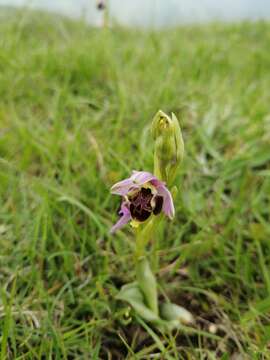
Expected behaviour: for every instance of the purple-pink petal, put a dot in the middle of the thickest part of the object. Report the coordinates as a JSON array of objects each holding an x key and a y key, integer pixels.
[
  {"x": 142, "y": 177},
  {"x": 137, "y": 179},
  {"x": 122, "y": 187},
  {"x": 168, "y": 207},
  {"x": 157, "y": 183},
  {"x": 124, "y": 219}
]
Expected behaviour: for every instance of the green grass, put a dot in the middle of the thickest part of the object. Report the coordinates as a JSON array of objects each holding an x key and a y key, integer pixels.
[{"x": 75, "y": 109}]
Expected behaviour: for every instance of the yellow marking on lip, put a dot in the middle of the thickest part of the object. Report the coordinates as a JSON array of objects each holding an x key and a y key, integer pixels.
[
  {"x": 148, "y": 185},
  {"x": 135, "y": 223}
]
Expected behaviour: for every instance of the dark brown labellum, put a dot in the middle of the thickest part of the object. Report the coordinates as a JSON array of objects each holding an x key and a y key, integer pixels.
[
  {"x": 138, "y": 213},
  {"x": 141, "y": 207},
  {"x": 158, "y": 206},
  {"x": 140, "y": 204}
]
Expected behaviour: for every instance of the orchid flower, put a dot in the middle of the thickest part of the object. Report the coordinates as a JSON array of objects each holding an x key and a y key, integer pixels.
[{"x": 142, "y": 195}]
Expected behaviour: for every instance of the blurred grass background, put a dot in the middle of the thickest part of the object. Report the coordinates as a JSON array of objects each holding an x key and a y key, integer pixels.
[{"x": 75, "y": 109}]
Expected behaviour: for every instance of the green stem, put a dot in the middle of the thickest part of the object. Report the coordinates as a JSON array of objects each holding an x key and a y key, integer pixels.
[
  {"x": 140, "y": 250},
  {"x": 158, "y": 231},
  {"x": 144, "y": 233}
]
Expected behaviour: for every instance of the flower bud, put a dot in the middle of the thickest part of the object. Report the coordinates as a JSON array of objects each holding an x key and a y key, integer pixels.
[{"x": 169, "y": 146}]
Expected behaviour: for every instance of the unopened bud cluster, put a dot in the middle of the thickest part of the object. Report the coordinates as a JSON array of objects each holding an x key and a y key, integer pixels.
[{"x": 169, "y": 146}]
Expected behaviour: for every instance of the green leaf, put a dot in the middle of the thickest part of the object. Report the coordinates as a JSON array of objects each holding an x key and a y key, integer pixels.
[
  {"x": 147, "y": 283},
  {"x": 176, "y": 315},
  {"x": 132, "y": 295}
]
